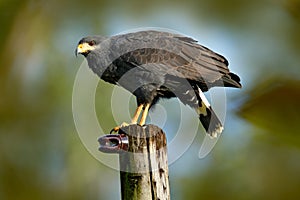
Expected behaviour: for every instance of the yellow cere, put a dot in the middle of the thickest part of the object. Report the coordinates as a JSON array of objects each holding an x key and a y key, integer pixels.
[{"x": 82, "y": 48}]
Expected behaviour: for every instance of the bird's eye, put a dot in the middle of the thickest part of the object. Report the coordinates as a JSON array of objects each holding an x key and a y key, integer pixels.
[{"x": 92, "y": 43}]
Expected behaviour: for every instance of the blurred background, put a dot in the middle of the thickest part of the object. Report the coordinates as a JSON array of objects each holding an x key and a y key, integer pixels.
[{"x": 41, "y": 155}]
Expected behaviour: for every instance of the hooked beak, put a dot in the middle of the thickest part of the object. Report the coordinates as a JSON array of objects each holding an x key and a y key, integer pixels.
[
  {"x": 76, "y": 52},
  {"x": 83, "y": 49},
  {"x": 79, "y": 49}
]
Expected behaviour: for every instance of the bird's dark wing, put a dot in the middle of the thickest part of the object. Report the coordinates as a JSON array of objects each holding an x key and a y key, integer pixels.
[{"x": 172, "y": 54}]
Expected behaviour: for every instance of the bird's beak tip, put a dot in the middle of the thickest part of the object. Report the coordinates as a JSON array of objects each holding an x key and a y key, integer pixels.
[
  {"x": 78, "y": 51},
  {"x": 81, "y": 49}
]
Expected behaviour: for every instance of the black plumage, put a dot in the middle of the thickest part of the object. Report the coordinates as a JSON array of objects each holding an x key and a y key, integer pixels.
[{"x": 153, "y": 65}]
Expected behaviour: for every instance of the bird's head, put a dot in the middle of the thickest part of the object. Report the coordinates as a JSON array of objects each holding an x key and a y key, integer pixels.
[{"x": 88, "y": 44}]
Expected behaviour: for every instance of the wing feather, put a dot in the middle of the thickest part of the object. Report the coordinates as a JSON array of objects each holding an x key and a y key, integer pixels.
[{"x": 171, "y": 54}]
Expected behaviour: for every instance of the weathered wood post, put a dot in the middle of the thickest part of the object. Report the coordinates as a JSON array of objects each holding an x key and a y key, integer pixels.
[{"x": 143, "y": 161}]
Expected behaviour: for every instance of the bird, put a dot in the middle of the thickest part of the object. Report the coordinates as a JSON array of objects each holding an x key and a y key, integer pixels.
[{"x": 155, "y": 65}]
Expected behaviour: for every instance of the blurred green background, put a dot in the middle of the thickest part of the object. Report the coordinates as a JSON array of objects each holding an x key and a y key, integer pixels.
[{"x": 41, "y": 155}]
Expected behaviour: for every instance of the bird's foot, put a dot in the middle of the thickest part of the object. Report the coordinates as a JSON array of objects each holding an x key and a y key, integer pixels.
[{"x": 117, "y": 128}]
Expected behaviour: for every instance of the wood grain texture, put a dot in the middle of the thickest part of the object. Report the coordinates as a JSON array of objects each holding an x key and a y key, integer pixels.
[{"x": 144, "y": 167}]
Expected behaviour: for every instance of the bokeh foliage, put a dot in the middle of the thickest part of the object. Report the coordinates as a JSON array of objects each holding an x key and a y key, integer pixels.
[{"x": 41, "y": 156}]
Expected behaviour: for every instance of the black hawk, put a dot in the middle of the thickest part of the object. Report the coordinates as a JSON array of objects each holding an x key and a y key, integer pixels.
[{"x": 154, "y": 65}]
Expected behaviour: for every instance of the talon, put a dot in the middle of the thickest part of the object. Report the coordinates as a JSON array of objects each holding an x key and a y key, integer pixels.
[
  {"x": 114, "y": 130},
  {"x": 117, "y": 128},
  {"x": 135, "y": 118}
]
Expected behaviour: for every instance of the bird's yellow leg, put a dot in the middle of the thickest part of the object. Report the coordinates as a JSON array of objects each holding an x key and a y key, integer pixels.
[
  {"x": 137, "y": 114},
  {"x": 144, "y": 115},
  {"x": 133, "y": 121}
]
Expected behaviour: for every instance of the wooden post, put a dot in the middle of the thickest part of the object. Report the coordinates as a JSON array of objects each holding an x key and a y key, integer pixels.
[
  {"x": 144, "y": 168},
  {"x": 143, "y": 165}
]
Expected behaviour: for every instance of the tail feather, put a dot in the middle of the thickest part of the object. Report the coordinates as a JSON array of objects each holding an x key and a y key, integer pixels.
[{"x": 208, "y": 117}]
